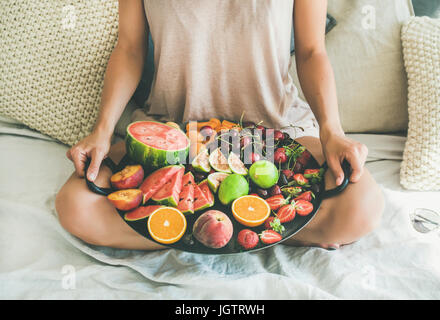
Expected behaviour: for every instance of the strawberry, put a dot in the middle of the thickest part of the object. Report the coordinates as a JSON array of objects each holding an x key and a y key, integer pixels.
[
  {"x": 300, "y": 179},
  {"x": 268, "y": 222},
  {"x": 292, "y": 191},
  {"x": 314, "y": 175},
  {"x": 275, "y": 202},
  {"x": 286, "y": 213},
  {"x": 311, "y": 171},
  {"x": 270, "y": 236},
  {"x": 248, "y": 239},
  {"x": 303, "y": 207},
  {"x": 254, "y": 194},
  {"x": 273, "y": 223},
  {"x": 308, "y": 196}
]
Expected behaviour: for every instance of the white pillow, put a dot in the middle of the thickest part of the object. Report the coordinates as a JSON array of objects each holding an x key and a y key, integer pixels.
[
  {"x": 420, "y": 168},
  {"x": 366, "y": 54}
]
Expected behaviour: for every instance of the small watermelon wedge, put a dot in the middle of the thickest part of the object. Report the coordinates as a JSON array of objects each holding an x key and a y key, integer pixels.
[
  {"x": 203, "y": 197},
  {"x": 157, "y": 179},
  {"x": 140, "y": 213},
  {"x": 168, "y": 195},
  {"x": 186, "y": 197},
  {"x": 155, "y": 144}
]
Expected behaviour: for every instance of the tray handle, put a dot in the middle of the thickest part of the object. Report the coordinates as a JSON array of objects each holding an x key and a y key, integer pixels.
[
  {"x": 92, "y": 186},
  {"x": 338, "y": 190}
]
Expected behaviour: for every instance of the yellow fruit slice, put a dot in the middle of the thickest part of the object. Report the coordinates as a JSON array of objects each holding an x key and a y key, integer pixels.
[
  {"x": 166, "y": 225},
  {"x": 250, "y": 211}
]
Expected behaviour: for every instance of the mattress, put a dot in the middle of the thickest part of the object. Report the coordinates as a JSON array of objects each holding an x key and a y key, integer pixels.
[{"x": 40, "y": 260}]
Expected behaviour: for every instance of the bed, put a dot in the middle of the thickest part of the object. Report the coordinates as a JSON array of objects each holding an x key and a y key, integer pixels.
[{"x": 40, "y": 260}]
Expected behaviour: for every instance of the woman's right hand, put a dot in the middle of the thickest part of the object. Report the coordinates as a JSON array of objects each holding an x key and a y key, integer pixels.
[{"x": 95, "y": 146}]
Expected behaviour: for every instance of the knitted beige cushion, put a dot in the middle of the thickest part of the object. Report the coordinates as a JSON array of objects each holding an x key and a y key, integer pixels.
[
  {"x": 53, "y": 58},
  {"x": 420, "y": 168}
]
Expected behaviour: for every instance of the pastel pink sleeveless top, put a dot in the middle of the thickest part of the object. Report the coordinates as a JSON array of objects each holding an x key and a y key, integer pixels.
[{"x": 222, "y": 58}]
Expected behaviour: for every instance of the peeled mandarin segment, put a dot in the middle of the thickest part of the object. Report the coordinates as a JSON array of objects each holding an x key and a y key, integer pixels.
[
  {"x": 228, "y": 124},
  {"x": 215, "y": 123},
  {"x": 166, "y": 225}
]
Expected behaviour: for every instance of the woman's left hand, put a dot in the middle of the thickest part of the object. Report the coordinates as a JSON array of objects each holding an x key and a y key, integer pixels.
[{"x": 336, "y": 148}]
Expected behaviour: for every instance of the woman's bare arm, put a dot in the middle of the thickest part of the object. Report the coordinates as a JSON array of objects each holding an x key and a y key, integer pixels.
[
  {"x": 122, "y": 76},
  {"x": 318, "y": 84}
]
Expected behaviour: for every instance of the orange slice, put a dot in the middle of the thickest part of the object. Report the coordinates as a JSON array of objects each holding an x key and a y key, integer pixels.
[
  {"x": 166, "y": 225},
  {"x": 250, "y": 210}
]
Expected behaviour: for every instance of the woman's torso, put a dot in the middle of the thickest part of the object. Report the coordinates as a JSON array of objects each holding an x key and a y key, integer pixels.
[{"x": 220, "y": 58}]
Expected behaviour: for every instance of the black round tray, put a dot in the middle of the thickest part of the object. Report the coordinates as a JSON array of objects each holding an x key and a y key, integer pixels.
[{"x": 190, "y": 244}]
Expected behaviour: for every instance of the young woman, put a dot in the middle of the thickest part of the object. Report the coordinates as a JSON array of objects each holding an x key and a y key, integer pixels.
[{"x": 220, "y": 58}]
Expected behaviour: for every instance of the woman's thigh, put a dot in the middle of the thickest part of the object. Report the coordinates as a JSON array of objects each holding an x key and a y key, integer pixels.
[
  {"x": 345, "y": 218},
  {"x": 92, "y": 217}
]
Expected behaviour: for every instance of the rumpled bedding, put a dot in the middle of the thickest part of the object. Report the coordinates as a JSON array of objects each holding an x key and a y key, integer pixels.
[{"x": 40, "y": 260}]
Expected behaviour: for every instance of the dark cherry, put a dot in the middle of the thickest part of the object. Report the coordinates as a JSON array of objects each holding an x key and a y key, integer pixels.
[
  {"x": 245, "y": 141},
  {"x": 248, "y": 124},
  {"x": 261, "y": 130},
  {"x": 199, "y": 176},
  {"x": 234, "y": 133},
  {"x": 288, "y": 142},
  {"x": 280, "y": 156},
  {"x": 262, "y": 193},
  {"x": 207, "y": 131},
  {"x": 255, "y": 157},
  {"x": 278, "y": 135},
  {"x": 282, "y": 180},
  {"x": 275, "y": 190},
  {"x": 315, "y": 188},
  {"x": 289, "y": 174},
  {"x": 298, "y": 167}
]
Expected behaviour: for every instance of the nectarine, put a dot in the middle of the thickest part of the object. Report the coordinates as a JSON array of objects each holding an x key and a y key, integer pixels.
[
  {"x": 126, "y": 199},
  {"x": 213, "y": 229},
  {"x": 128, "y": 178}
]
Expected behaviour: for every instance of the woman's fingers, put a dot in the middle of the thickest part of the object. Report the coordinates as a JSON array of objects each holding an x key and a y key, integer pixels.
[
  {"x": 335, "y": 166},
  {"x": 97, "y": 157},
  {"x": 357, "y": 160},
  {"x": 78, "y": 157}
]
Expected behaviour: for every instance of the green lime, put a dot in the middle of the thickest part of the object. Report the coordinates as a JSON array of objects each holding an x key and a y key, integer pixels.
[
  {"x": 218, "y": 161},
  {"x": 264, "y": 174},
  {"x": 233, "y": 187},
  {"x": 214, "y": 180},
  {"x": 201, "y": 162},
  {"x": 236, "y": 165}
]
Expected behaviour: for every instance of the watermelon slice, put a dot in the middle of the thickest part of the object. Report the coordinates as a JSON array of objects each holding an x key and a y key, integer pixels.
[
  {"x": 140, "y": 212},
  {"x": 169, "y": 193},
  {"x": 203, "y": 197},
  {"x": 186, "y": 197},
  {"x": 204, "y": 186},
  {"x": 156, "y": 180},
  {"x": 155, "y": 144}
]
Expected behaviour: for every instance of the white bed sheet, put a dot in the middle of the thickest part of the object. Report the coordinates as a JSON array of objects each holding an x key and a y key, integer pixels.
[{"x": 393, "y": 262}]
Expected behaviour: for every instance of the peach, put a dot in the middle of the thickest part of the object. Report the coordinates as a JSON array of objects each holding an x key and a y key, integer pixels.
[
  {"x": 126, "y": 199},
  {"x": 213, "y": 229},
  {"x": 128, "y": 178}
]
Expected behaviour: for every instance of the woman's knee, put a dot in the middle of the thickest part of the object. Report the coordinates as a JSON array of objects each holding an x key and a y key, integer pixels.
[
  {"x": 355, "y": 216},
  {"x": 76, "y": 219}
]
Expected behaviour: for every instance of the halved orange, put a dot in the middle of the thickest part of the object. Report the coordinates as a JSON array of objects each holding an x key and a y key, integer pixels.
[
  {"x": 166, "y": 225},
  {"x": 250, "y": 210}
]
